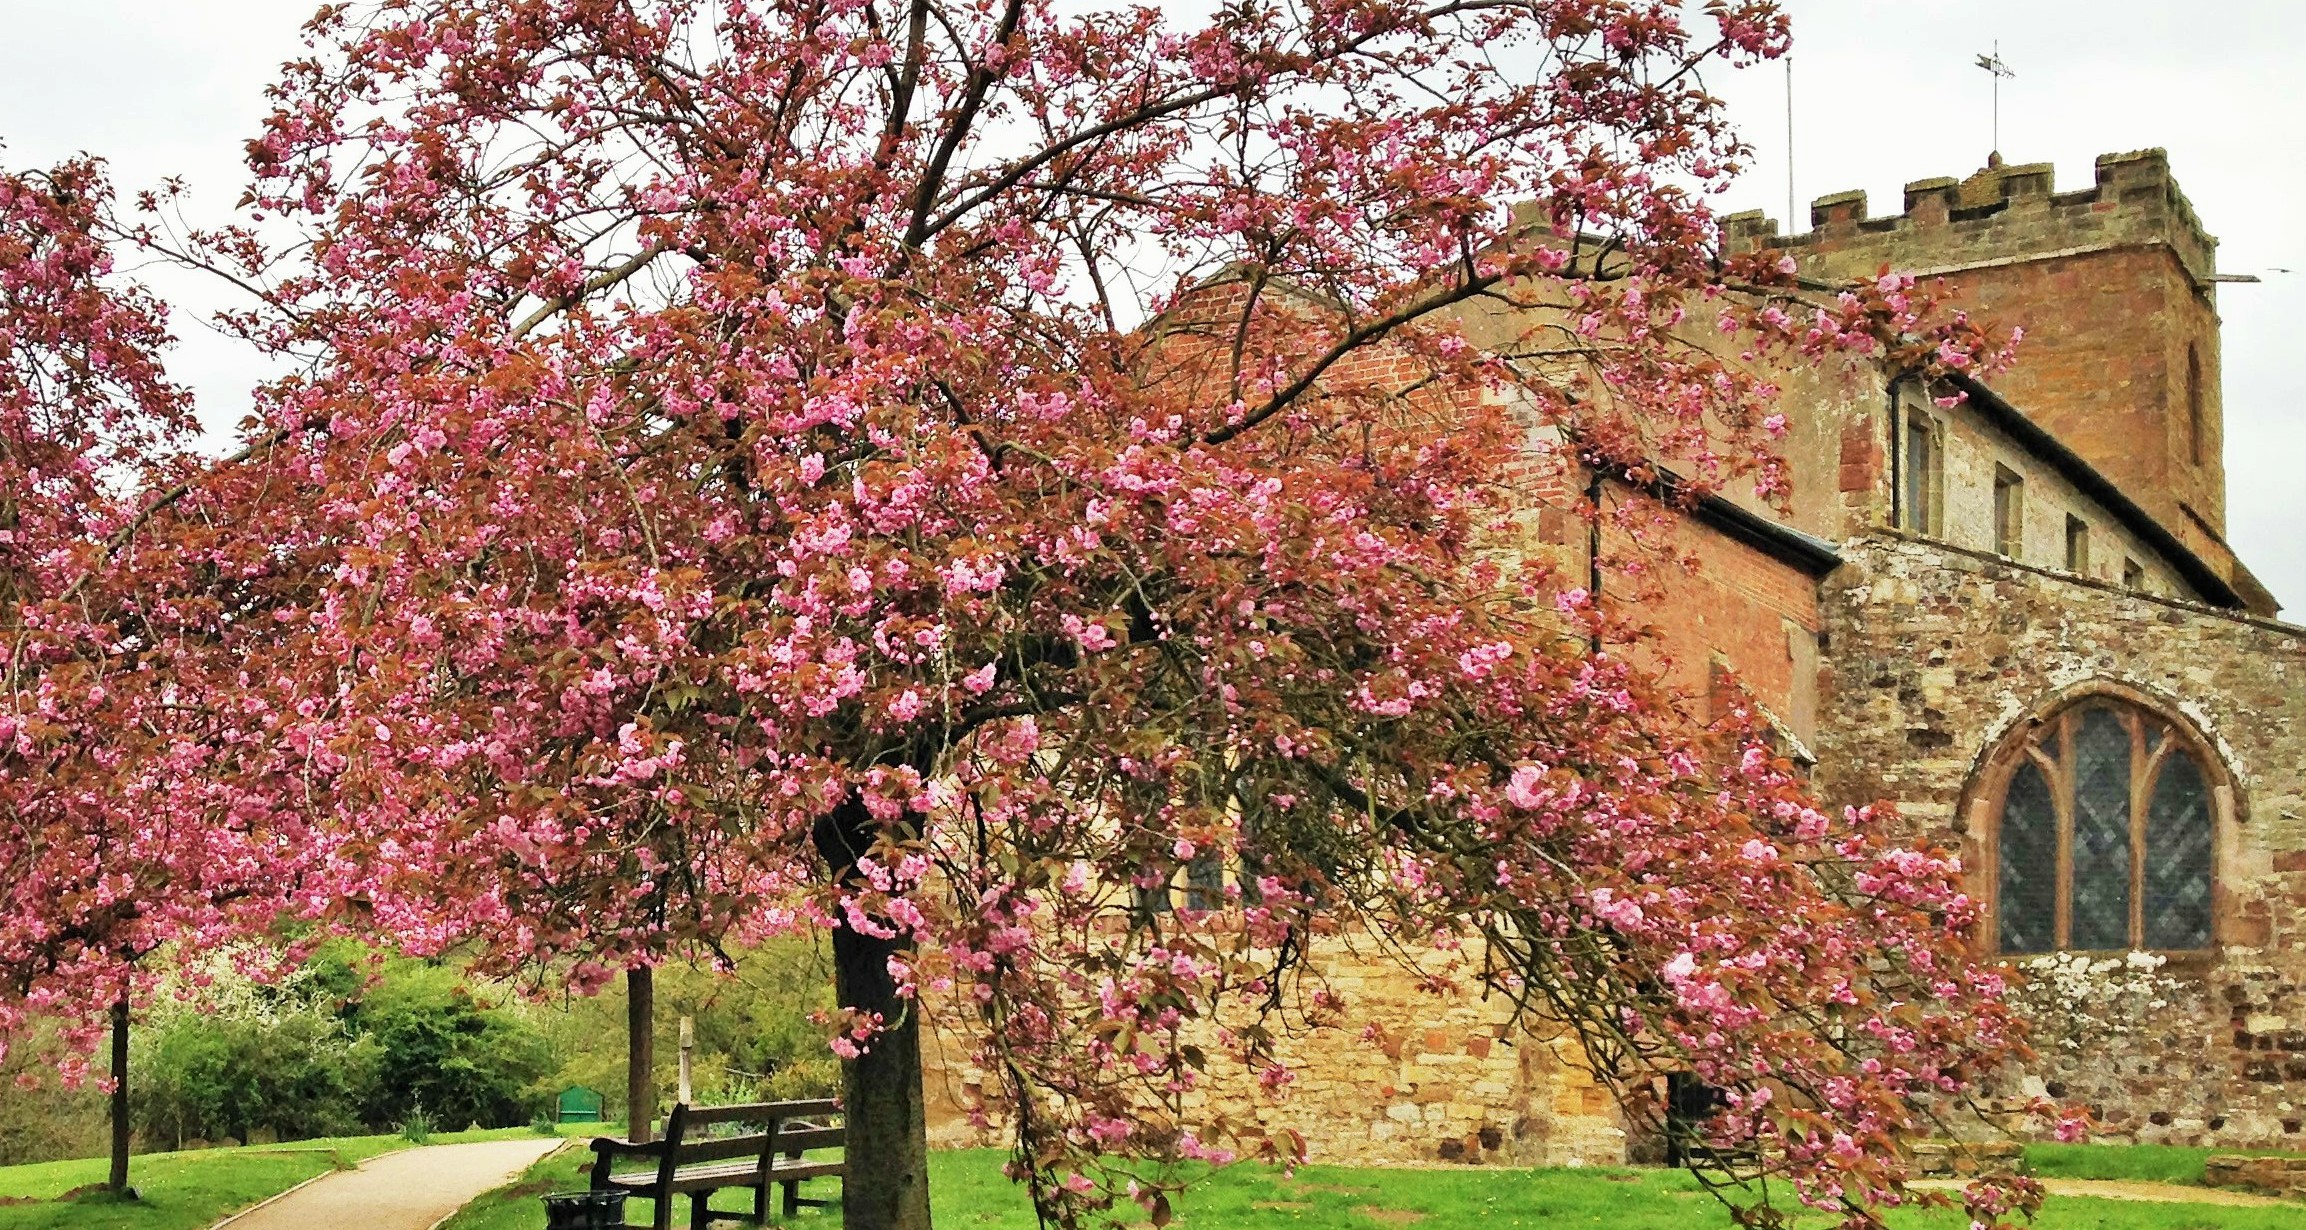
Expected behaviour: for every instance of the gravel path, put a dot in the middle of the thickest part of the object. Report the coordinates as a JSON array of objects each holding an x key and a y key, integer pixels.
[
  {"x": 2123, "y": 1189},
  {"x": 408, "y": 1190}
]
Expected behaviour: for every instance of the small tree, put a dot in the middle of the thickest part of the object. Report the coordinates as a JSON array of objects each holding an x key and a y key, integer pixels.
[
  {"x": 140, "y": 777},
  {"x": 83, "y": 408}
]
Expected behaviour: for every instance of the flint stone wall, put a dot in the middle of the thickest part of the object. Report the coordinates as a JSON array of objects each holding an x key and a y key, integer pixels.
[{"x": 1934, "y": 652}]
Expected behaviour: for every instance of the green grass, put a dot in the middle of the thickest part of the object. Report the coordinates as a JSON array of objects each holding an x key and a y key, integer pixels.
[
  {"x": 2142, "y": 1163},
  {"x": 969, "y": 1194},
  {"x": 185, "y": 1191},
  {"x": 188, "y": 1191}
]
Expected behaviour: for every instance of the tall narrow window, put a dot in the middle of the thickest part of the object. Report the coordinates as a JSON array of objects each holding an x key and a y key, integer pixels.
[
  {"x": 2009, "y": 513},
  {"x": 2196, "y": 429},
  {"x": 1205, "y": 883},
  {"x": 2103, "y": 836},
  {"x": 2077, "y": 545},
  {"x": 1924, "y": 474},
  {"x": 2133, "y": 574},
  {"x": 2029, "y": 863},
  {"x": 2098, "y": 763}
]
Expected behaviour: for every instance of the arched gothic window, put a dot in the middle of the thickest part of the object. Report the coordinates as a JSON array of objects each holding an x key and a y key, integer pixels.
[{"x": 2102, "y": 823}]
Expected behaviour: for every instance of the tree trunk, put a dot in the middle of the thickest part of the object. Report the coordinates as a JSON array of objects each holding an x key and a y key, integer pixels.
[
  {"x": 118, "y": 1181},
  {"x": 640, "y": 1052},
  {"x": 887, "y": 1183}
]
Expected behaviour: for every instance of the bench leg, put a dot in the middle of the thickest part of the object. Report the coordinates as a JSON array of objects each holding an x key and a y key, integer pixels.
[
  {"x": 792, "y": 1197},
  {"x": 701, "y": 1211}
]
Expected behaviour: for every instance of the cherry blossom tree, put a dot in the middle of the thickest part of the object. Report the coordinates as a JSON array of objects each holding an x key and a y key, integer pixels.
[
  {"x": 112, "y": 842},
  {"x": 939, "y": 471}
]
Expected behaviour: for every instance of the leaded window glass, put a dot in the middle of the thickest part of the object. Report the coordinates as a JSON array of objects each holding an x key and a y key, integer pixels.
[
  {"x": 2178, "y": 870},
  {"x": 2101, "y": 910},
  {"x": 2104, "y": 836},
  {"x": 2029, "y": 915}
]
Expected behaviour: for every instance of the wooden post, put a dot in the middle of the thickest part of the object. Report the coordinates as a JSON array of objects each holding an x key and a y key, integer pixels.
[
  {"x": 688, "y": 1044},
  {"x": 640, "y": 1052}
]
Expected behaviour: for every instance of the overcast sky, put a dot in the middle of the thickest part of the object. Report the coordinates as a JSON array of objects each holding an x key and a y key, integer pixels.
[
  {"x": 1888, "y": 91},
  {"x": 1885, "y": 92}
]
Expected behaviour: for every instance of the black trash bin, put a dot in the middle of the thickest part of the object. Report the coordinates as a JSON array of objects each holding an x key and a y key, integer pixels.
[{"x": 584, "y": 1211}]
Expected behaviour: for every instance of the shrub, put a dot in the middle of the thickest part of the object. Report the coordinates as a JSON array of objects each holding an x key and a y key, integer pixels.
[
  {"x": 40, "y": 1119},
  {"x": 245, "y": 1058},
  {"x": 290, "y": 1071},
  {"x": 429, "y": 1042},
  {"x": 342, "y": 1043}
]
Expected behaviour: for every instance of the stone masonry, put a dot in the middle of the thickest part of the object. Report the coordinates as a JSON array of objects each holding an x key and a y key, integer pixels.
[
  {"x": 1938, "y": 651},
  {"x": 1410, "y": 1077},
  {"x": 1908, "y": 649}
]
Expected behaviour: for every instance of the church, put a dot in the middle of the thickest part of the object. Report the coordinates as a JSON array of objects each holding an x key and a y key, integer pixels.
[
  {"x": 2037, "y": 642},
  {"x": 2009, "y": 608}
]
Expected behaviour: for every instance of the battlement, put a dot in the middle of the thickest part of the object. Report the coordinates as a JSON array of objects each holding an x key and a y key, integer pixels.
[{"x": 2003, "y": 212}]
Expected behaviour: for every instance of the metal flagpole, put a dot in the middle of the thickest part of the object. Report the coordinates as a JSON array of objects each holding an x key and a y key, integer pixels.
[{"x": 1792, "y": 225}]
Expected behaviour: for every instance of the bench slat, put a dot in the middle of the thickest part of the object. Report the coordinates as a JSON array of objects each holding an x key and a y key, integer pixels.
[
  {"x": 787, "y": 1168},
  {"x": 802, "y": 1139},
  {"x": 749, "y": 1145},
  {"x": 713, "y": 1178},
  {"x": 762, "y": 1112},
  {"x": 642, "y": 1181},
  {"x": 729, "y": 1175}
]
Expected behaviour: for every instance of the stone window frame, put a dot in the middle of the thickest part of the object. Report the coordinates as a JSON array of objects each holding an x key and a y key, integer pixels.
[
  {"x": 1980, "y": 807},
  {"x": 1926, "y": 475},
  {"x": 2009, "y": 513}
]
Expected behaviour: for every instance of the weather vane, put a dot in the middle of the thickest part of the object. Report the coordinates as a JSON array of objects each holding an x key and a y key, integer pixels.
[{"x": 2000, "y": 69}]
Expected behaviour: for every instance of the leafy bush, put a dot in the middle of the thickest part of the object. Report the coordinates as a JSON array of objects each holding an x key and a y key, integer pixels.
[
  {"x": 343, "y": 1043},
  {"x": 290, "y": 1073},
  {"x": 428, "y": 1042}
]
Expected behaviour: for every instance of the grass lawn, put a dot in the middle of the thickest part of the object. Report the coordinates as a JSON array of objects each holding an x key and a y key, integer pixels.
[
  {"x": 970, "y": 1194},
  {"x": 2146, "y": 1163},
  {"x": 189, "y": 1190}
]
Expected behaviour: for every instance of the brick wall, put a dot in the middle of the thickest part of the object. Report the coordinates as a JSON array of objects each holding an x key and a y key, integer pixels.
[{"x": 1736, "y": 608}]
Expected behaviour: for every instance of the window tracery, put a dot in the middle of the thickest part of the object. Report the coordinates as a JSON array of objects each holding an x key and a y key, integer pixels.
[{"x": 2102, "y": 827}]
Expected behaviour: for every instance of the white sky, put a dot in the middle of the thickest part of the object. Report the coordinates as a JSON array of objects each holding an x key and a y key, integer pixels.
[{"x": 1885, "y": 92}]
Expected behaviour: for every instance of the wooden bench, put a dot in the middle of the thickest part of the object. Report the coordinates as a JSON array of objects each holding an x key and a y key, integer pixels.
[{"x": 691, "y": 1160}]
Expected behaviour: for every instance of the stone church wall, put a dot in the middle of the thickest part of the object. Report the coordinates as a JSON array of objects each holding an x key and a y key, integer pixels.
[
  {"x": 2112, "y": 283},
  {"x": 1934, "y": 652},
  {"x": 1409, "y": 1078}
]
